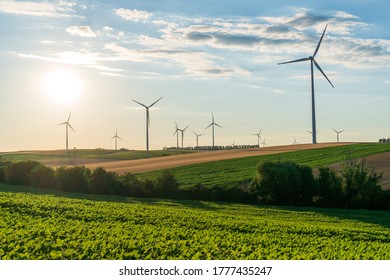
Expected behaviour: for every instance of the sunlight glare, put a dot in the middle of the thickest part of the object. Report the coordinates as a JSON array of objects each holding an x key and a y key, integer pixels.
[{"x": 62, "y": 86}]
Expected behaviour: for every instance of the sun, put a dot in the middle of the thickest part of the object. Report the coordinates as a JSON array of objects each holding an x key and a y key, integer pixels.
[{"x": 62, "y": 86}]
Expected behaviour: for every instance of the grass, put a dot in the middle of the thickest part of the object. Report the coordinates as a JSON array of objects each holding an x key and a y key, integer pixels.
[
  {"x": 75, "y": 226},
  {"x": 234, "y": 171}
]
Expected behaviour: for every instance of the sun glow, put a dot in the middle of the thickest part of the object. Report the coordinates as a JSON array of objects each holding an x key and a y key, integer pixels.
[{"x": 62, "y": 86}]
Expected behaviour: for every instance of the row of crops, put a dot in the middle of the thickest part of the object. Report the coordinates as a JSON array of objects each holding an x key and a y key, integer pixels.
[{"x": 50, "y": 227}]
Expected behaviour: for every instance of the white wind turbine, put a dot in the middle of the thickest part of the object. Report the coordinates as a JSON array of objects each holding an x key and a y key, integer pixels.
[
  {"x": 197, "y": 138},
  {"x": 177, "y": 135},
  {"x": 258, "y": 137},
  {"x": 116, "y": 137},
  {"x": 338, "y": 132},
  {"x": 182, "y": 135},
  {"x": 147, "y": 120},
  {"x": 212, "y": 126},
  {"x": 313, "y": 62},
  {"x": 67, "y": 124}
]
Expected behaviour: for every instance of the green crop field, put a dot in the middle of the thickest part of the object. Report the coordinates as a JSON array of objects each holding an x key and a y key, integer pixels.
[
  {"x": 71, "y": 226},
  {"x": 234, "y": 171}
]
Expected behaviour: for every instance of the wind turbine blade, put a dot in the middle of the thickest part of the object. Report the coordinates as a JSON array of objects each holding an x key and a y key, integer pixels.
[
  {"x": 218, "y": 125},
  {"x": 120, "y": 138},
  {"x": 186, "y": 127},
  {"x": 176, "y": 125},
  {"x": 139, "y": 103},
  {"x": 209, "y": 125},
  {"x": 212, "y": 116},
  {"x": 297, "y": 60},
  {"x": 319, "y": 68},
  {"x": 62, "y": 123},
  {"x": 342, "y": 131},
  {"x": 69, "y": 116},
  {"x": 155, "y": 102},
  {"x": 71, "y": 127},
  {"x": 335, "y": 130},
  {"x": 319, "y": 43},
  {"x": 200, "y": 134}
]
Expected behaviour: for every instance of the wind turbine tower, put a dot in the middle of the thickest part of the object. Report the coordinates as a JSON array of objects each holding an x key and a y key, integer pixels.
[
  {"x": 197, "y": 138},
  {"x": 116, "y": 138},
  {"x": 258, "y": 137},
  {"x": 212, "y": 126},
  {"x": 338, "y": 132},
  {"x": 312, "y": 63},
  {"x": 147, "y": 120},
  {"x": 177, "y": 135},
  {"x": 67, "y": 124}
]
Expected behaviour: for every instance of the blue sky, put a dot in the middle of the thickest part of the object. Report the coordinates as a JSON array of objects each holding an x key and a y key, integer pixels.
[{"x": 92, "y": 58}]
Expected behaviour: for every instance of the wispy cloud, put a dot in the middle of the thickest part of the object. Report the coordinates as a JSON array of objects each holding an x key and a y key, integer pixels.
[
  {"x": 133, "y": 15},
  {"x": 83, "y": 31},
  {"x": 39, "y": 9}
]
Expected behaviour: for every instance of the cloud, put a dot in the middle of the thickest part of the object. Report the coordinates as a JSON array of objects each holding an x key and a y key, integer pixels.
[
  {"x": 133, "y": 15},
  {"x": 83, "y": 31},
  {"x": 39, "y": 9}
]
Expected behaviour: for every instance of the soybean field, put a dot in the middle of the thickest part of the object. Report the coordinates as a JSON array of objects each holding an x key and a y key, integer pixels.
[{"x": 72, "y": 227}]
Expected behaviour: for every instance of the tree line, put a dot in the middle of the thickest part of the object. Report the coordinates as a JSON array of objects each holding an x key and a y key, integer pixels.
[{"x": 276, "y": 183}]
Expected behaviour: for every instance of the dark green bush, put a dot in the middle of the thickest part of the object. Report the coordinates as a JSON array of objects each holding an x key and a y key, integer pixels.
[
  {"x": 19, "y": 173},
  {"x": 361, "y": 185},
  {"x": 74, "y": 179},
  {"x": 284, "y": 183},
  {"x": 43, "y": 177},
  {"x": 329, "y": 189},
  {"x": 166, "y": 185},
  {"x": 104, "y": 182}
]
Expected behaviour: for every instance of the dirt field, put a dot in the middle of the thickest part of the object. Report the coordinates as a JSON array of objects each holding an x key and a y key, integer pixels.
[{"x": 144, "y": 165}]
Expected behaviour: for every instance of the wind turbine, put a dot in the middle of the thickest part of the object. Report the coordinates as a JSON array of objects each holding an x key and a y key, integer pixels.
[
  {"x": 212, "y": 126},
  {"x": 258, "y": 137},
  {"x": 197, "y": 138},
  {"x": 177, "y": 135},
  {"x": 295, "y": 141},
  {"x": 116, "y": 139},
  {"x": 264, "y": 143},
  {"x": 338, "y": 132},
  {"x": 147, "y": 120},
  {"x": 67, "y": 124},
  {"x": 313, "y": 62},
  {"x": 182, "y": 135}
]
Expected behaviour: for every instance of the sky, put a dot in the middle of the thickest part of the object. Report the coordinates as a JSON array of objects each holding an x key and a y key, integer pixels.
[{"x": 92, "y": 58}]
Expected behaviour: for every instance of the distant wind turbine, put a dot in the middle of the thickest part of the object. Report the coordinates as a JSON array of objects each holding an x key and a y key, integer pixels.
[
  {"x": 197, "y": 138},
  {"x": 338, "y": 132},
  {"x": 295, "y": 141},
  {"x": 313, "y": 62},
  {"x": 212, "y": 126},
  {"x": 177, "y": 135},
  {"x": 116, "y": 139},
  {"x": 182, "y": 135},
  {"x": 258, "y": 137},
  {"x": 147, "y": 120},
  {"x": 264, "y": 143},
  {"x": 67, "y": 124}
]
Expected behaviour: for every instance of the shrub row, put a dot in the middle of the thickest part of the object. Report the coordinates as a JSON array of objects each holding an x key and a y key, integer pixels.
[
  {"x": 277, "y": 183},
  {"x": 287, "y": 183}
]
